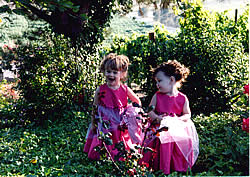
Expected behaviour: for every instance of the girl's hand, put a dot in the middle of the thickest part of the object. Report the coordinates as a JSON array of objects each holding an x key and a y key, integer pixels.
[
  {"x": 93, "y": 127},
  {"x": 158, "y": 119},
  {"x": 184, "y": 120}
]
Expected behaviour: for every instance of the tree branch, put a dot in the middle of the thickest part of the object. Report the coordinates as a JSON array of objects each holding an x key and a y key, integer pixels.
[{"x": 41, "y": 14}]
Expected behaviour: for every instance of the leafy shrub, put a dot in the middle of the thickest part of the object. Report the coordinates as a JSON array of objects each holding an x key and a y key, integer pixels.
[
  {"x": 215, "y": 57},
  {"x": 223, "y": 145},
  {"x": 238, "y": 29},
  {"x": 53, "y": 75}
]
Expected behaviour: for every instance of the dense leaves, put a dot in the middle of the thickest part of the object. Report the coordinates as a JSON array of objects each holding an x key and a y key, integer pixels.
[
  {"x": 214, "y": 55},
  {"x": 223, "y": 145},
  {"x": 58, "y": 149},
  {"x": 53, "y": 75}
]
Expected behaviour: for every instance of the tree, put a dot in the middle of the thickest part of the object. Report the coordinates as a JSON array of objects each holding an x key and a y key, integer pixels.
[{"x": 73, "y": 18}]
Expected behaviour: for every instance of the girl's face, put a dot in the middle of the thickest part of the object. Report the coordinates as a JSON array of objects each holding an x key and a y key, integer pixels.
[
  {"x": 164, "y": 83},
  {"x": 113, "y": 77}
]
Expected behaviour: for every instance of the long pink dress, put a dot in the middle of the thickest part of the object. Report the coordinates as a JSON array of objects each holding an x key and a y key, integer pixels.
[
  {"x": 113, "y": 108},
  {"x": 176, "y": 149}
]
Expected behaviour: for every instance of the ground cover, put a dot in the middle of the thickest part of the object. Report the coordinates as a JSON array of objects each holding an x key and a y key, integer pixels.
[{"x": 57, "y": 148}]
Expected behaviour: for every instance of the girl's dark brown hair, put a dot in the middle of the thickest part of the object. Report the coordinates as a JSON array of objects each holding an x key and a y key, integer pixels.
[{"x": 173, "y": 68}]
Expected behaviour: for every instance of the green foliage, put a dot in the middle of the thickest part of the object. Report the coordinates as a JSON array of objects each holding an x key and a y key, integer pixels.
[
  {"x": 214, "y": 55},
  {"x": 58, "y": 148},
  {"x": 238, "y": 29},
  {"x": 223, "y": 145},
  {"x": 53, "y": 75},
  {"x": 16, "y": 28},
  {"x": 53, "y": 151}
]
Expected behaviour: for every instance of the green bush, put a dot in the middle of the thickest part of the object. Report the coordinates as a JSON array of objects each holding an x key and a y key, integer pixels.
[
  {"x": 238, "y": 29},
  {"x": 55, "y": 74},
  {"x": 215, "y": 57},
  {"x": 223, "y": 145}
]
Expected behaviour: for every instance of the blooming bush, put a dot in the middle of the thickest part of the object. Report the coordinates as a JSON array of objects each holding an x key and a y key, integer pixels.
[
  {"x": 246, "y": 89},
  {"x": 245, "y": 125},
  {"x": 223, "y": 145},
  {"x": 8, "y": 93},
  {"x": 53, "y": 75}
]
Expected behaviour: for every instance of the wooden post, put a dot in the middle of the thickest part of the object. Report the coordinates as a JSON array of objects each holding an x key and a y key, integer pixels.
[
  {"x": 1, "y": 75},
  {"x": 152, "y": 58},
  {"x": 151, "y": 36},
  {"x": 236, "y": 12}
]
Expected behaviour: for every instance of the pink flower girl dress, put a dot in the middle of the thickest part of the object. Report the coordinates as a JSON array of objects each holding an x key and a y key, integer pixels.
[
  {"x": 176, "y": 149},
  {"x": 123, "y": 125}
]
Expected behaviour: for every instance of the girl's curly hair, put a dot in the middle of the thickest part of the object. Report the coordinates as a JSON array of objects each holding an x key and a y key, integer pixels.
[{"x": 173, "y": 68}]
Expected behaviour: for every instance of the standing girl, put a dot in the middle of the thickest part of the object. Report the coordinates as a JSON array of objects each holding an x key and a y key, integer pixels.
[
  {"x": 111, "y": 100},
  {"x": 177, "y": 148}
]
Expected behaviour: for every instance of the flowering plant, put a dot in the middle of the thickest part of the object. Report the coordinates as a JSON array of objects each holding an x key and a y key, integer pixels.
[
  {"x": 240, "y": 105},
  {"x": 7, "y": 92},
  {"x": 246, "y": 89},
  {"x": 126, "y": 162},
  {"x": 245, "y": 123}
]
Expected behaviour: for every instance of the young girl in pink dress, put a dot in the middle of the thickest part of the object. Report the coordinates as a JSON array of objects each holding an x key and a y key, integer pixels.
[
  {"x": 177, "y": 148},
  {"x": 111, "y": 100}
]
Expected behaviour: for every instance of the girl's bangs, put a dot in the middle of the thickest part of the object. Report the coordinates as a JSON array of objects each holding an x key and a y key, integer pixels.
[{"x": 113, "y": 64}]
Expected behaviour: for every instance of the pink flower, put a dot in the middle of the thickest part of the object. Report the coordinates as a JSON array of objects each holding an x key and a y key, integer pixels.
[
  {"x": 145, "y": 164},
  {"x": 8, "y": 47},
  {"x": 245, "y": 125},
  {"x": 131, "y": 172},
  {"x": 246, "y": 89}
]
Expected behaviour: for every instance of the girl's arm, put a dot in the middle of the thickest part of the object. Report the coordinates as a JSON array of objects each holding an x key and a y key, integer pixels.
[
  {"x": 133, "y": 97},
  {"x": 152, "y": 114},
  {"x": 96, "y": 97},
  {"x": 186, "y": 111},
  {"x": 95, "y": 103}
]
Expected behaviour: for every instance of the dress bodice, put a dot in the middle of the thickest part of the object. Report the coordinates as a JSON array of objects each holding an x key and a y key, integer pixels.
[
  {"x": 170, "y": 105},
  {"x": 113, "y": 98}
]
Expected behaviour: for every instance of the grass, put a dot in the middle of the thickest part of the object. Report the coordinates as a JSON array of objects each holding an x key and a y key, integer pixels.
[{"x": 18, "y": 29}]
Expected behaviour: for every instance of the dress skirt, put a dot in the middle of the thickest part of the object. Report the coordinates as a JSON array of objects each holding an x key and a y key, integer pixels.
[
  {"x": 174, "y": 150},
  {"x": 123, "y": 126}
]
